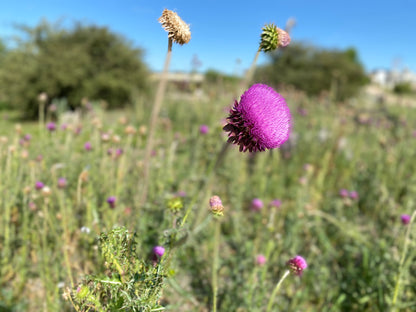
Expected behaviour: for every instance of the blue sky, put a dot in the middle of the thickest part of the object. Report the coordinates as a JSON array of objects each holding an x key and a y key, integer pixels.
[{"x": 225, "y": 31}]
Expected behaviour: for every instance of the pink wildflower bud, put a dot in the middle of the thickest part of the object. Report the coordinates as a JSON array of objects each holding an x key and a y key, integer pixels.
[{"x": 297, "y": 265}]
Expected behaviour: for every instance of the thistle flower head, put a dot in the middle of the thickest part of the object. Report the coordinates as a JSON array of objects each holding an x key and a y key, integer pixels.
[
  {"x": 260, "y": 260},
  {"x": 39, "y": 185},
  {"x": 62, "y": 183},
  {"x": 158, "y": 251},
  {"x": 51, "y": 126},
  {"x": 256, "y": 204},
  {"x": 343, "y": 193},
  {"x": 297, "y": 265},
  {"x": 353, "y": 195},
  {"x": 273, "y": 37},
  {"x": 260, "y": 121},
  {"x": 111, "y": 201},
  {"x": 276, "y": 203},
  {"x": 203, "y": 129},
  {"x": 217, "y": 208},
  {"x": 405, "y": 219},
  {"x": 178, "y": 30},
  {"x": 88, "y": 146}
]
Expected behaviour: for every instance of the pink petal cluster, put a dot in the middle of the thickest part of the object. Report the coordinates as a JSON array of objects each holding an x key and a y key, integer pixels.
[{"x": 260, "y": 121}]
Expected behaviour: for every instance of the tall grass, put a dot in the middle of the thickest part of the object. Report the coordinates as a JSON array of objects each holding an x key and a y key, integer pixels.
[{"x": 354, "y": 247}]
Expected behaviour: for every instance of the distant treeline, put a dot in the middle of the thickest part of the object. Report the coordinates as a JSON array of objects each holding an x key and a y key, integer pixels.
[{"x": 83, "y": 62}]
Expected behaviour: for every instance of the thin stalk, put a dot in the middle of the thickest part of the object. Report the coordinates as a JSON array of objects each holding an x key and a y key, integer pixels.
[
  {"x": 275, "y": 290},
  {"x": 404, "y": 252},
  {"x": 215, "y": 265},
  {"x": 250, "y": 72},
  {"x": 152, "y": 126}
]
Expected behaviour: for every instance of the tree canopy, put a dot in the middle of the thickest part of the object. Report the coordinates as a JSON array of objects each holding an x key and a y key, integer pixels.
[
  {"x": 314, "y": 70},
  {"x": 82, "y": 62}
]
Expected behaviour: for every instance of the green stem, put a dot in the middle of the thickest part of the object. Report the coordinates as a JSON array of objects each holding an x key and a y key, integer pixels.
[
  {"x": 404, "y": 252},
  {"x": 152, "y": 126},
  {"x": 275, "y": 290},
  {"x": 215, "y": 265}
]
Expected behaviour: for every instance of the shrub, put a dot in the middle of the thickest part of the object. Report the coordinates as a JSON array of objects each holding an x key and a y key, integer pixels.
[{"x": 81, "y": 62}]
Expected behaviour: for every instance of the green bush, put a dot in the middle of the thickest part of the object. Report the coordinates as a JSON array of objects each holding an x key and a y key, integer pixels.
[
  {"x": 315, "y": 70},
  {"x": 403, "y": 88},
  {"x": 81, "y": 62}
]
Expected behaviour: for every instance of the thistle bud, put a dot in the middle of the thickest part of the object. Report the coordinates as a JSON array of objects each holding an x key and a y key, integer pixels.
[
  {"x": 217, "y": 208},
  {"x": 273, "y": 37},
  {"x": 178, "y": 30}
]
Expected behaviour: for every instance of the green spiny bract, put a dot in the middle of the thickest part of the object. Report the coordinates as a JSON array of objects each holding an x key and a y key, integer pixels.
[
  {"x": 273, "y": 37},
  {"x": 128, "y": 284}
]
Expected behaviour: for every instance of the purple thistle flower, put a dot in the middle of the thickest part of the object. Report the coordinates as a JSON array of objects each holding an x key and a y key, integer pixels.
[
  {"x": 297, "y": 265},
  {"x": 256, "y": 204},
  {"x": 203, "y": 129},
  {"x": 260, "y": 260},
  {"x": 51, "y": 126},
  {"x": 39, "y": 185},
  {"x": 158, "y": 251},
  {"x": 260, "y": 121},
  {"x": 353, "y": 195},
  {"x": 88, "y": 146},
  {"x": 405, "y": 219},
  {"x": 119, "y": 152},
  {"x": 275, "y": 203},
  {"x": 111, "y": 201},
  {"x": 27, "y": 137},
  {"x": 343, "y": 193},
  {"x": 62, "y": 183}
]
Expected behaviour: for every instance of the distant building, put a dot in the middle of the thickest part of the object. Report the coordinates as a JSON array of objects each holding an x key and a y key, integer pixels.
[
  {"x": 181, "y": 79},
  {"x": 390, "y": 78}
]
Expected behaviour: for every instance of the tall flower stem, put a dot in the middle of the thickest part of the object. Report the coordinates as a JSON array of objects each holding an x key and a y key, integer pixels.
[
  {"x": 404, "y": 252},
  {"x": 249, "y": 74},
  {"x": 153, "y": 121},
  {"x": 215, "y": 265},
  {"x": 275, "y": 290}
]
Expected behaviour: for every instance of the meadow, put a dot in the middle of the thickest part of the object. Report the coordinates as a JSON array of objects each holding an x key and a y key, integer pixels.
[{"x": 334, "y": 194}]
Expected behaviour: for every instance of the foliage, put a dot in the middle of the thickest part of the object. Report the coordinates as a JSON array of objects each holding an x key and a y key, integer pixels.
[
  {"x": 403, "y": 88},
  {"x": 353, "y": 245},
  {"x": 130, "y": 284},
  {"x": 315, "y": 70},
  {"x": 83, "y": 62}
]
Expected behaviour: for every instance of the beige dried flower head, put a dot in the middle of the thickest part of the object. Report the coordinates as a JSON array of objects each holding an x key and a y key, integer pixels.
[{"x": 178, "y": 30}]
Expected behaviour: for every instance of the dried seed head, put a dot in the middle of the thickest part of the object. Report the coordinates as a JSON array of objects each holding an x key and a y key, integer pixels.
[
  {"x": 178, "y": 30},
  {"x": 273, "y": 37}
]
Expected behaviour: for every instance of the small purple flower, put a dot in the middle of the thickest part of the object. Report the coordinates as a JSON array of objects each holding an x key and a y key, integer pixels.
[
  {"x": 275, "y": 203},
  {"x": 39, "y": 185},
  {"x": 62, "y": 183},
  {"x": 260, "y": 121},
  {"x": 88, "y": 146},
  {"x": 119, "y": 152},
  {"x": 297, "y": 265},
  {"x": 353, "y": 195},
  {"x": 27, "y": 137},
  {"x": 158, "y": 251},
  {"x": 203, "y": 129},
  {"x": 256, "y": 204},
  {"x": 181, "y": 194},
  {"x": 405, "y": 219},
  {"x": 111, "y": 201},
  {"x": 343, "y": 193},
  {"x": 51, "y": 126},
  {"x": 260, "y": 260}
]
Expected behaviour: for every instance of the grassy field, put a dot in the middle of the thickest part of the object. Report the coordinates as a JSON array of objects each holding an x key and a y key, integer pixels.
[{"x": 360, "y": 256}]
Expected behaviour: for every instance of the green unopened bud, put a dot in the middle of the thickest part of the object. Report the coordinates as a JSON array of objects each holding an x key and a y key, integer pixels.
[
  {"x": 273, "y": 37},
  {"x": 175, "y": 204}
]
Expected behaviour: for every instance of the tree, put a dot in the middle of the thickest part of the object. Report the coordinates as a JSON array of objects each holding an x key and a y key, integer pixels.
[
  {"x": 315, "y": 70},
  {"x": 81, "y": 62}
]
